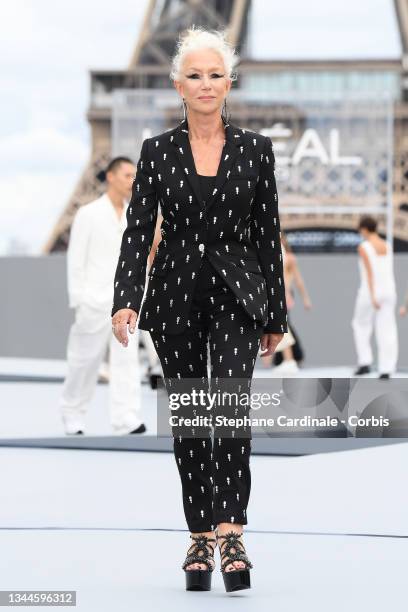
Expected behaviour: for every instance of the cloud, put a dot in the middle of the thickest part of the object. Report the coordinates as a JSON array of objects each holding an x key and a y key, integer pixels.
[
  {"x": 34, "y": 203},
  {"x": 322, "y": 29},
  {"x": 46, "y": 51},
  {"x": 41, "y": 149}
]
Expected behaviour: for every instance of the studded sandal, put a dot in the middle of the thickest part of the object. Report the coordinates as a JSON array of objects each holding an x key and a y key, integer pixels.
[
  {"x": 199, "y": 552},
  {"x": 232, "y": 549}
]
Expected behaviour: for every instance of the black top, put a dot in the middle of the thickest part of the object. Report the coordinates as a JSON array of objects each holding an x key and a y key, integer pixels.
[{"x": 206, "y": 185}]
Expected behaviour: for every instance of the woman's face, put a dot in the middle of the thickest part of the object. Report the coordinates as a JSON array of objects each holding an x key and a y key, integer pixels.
[{"x": 203, "y": 83}]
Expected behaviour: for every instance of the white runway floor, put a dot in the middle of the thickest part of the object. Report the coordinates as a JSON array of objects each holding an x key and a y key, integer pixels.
[
  {"x": 30, "y": 408},
  {"x": 325, "y": 532}
]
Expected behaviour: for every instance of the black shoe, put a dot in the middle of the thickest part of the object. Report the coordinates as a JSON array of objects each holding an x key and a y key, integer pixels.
[
  {"x": 140, "y": 429},
  {"x": 75, "y": 433},
  {"x": 362, "y": 370},
  {"x": 199, "y": 579},
  {"x": 238, "y": 579},
  {"x": 384, "y": 376}
]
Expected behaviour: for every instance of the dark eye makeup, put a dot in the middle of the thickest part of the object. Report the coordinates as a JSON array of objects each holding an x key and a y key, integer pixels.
[{"x": 195, "y": 75}]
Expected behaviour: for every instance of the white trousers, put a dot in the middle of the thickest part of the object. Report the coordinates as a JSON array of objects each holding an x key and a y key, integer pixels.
[
  {"x": 87, "y": 343},
  {"x": 365, "y": 319}
]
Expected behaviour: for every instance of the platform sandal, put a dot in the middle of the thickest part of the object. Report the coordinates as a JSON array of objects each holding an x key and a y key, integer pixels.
[
  {"x": 236, "y": 579},
  {"x": 199, "y": 552}
]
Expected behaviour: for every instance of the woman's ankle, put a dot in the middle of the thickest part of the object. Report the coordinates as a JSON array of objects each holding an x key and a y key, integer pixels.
[{"x": 225, "y": 527}]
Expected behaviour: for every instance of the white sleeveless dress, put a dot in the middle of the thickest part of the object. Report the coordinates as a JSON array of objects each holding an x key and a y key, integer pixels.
[
  {"x": 382, "y": 320},
  {"x": 382, "y": 267}
]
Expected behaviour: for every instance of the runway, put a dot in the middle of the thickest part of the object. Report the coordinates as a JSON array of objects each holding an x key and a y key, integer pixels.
[
  {"x": 30, "y": 391},
  {"x": 33, "y": 385},
  {"x": 327, "y": 531}
]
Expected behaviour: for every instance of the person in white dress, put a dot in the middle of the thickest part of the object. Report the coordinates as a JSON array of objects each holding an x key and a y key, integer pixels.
[
  {"x": 376, "y": 302},
  {"x": 288, "y": 366},
  {"x": 92, "y": 255},
  {"x": 288, "y": 355},
  {"x": 403, "y": 310}
]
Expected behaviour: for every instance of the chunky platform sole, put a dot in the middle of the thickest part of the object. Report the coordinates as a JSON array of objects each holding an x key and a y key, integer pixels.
[
  {"x": 198, "y": 580},
  {"x": 237, "y": 580}
]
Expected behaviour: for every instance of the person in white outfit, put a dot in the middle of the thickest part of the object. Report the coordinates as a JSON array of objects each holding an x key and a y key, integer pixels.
[
  {"x": 375, "y": 303},
  {"x": 154, "y": 369},
  {"x": 92, "y": 256},
  {"x": 288, "y": 365},
  {"x": 403, "y": 310},
  {"x": 290, "y": 353}
]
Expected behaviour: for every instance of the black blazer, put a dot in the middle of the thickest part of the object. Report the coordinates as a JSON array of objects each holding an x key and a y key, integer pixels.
[{"x": 238, "y": 229}]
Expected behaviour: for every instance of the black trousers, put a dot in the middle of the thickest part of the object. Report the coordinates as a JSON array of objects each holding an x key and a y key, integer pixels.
[{"x": 215, "y": 473}]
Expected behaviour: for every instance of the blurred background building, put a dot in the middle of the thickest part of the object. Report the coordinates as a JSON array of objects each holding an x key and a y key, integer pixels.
[
  {"x": 357, "y": 105},
  {"x": 339, "y": 128}
]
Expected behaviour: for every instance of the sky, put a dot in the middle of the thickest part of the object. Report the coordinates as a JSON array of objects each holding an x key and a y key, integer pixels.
[{"x": 47, "y": 49}]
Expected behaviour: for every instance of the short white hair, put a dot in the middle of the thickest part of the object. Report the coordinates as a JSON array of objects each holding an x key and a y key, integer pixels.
[{"x": 196, "y": 38}]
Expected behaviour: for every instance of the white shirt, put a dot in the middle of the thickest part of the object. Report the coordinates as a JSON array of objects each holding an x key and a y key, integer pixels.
[{"x": 93, "y": 253}]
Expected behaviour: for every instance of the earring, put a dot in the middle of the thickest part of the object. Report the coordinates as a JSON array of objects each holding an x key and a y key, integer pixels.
[
  {"x": 224, "y": 112},
  {"x": 184, "y": 110}
]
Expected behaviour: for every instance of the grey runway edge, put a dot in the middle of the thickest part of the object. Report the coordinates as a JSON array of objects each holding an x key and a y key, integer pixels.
[
  {"x": 325, "y": 531},
  {"x": 153, "y": 444}
]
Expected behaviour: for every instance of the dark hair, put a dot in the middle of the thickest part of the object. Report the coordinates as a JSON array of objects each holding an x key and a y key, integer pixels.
[
  {"x": 368, "y": 223},
  {"x": 115, "y": 163}
]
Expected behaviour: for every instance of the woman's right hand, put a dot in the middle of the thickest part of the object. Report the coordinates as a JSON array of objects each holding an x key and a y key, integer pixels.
[
  {"x": 269, "y": 342},
  {"x": 120, "y": 321}
]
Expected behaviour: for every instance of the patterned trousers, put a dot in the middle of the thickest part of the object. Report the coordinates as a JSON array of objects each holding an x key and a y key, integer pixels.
[{"x": 215, "y": 473}]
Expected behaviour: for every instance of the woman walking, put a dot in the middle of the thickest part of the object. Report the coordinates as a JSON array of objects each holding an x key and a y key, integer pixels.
[
  {"x": 217, "y": 278},
  {"x": 376, "y": 301},
  {"x": 287, "y": 361}
]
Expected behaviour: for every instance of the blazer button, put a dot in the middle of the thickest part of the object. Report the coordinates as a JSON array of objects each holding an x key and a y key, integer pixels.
[{"x": 201, "y": 247}]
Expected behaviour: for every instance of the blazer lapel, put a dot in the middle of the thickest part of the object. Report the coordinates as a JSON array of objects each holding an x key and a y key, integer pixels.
[
  {"x": 233, "y": 142},
  {"x": 185, "y": 157},
  {"x": 232, "y": 148}
]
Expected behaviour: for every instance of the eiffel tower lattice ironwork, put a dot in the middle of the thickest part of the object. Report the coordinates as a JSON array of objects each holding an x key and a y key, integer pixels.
[{"x": 149, "y": 67}]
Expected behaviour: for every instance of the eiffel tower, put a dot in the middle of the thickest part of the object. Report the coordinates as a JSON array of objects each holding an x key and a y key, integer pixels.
[{"x": 149, "y": 68}]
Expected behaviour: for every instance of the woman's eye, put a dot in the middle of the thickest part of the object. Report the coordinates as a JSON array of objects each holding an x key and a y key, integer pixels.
[{"x": 197, "y": 76}]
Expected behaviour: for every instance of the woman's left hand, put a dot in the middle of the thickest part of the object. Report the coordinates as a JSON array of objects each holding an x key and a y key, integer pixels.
[{"x": 270, "y": 342}]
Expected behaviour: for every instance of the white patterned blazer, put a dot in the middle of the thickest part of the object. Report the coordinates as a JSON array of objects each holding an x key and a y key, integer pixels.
[{"x": 237, "y": 228}]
